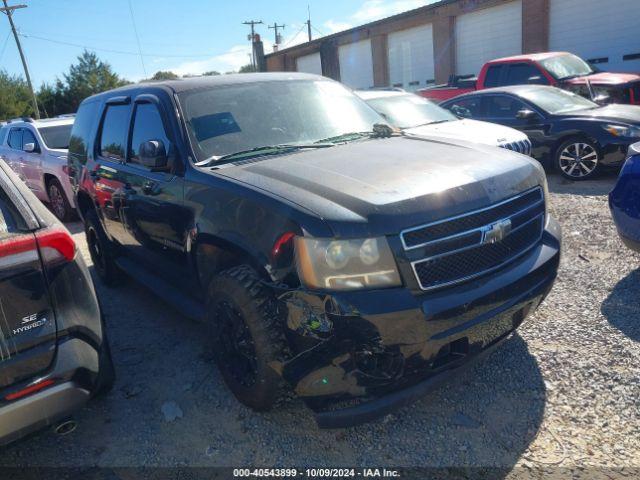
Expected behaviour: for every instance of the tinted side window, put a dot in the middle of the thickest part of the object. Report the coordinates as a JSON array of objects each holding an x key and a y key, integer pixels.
[
  {"x": 15, "y": 138},
  {"x": 28, "y": 137},
  {"x": 114, "y": 132},
  {"x": 493, "y": 76},
  {"x": 503, "y": 107},
  {"x": 147, "y": 126},
  {"x": 82, "y": 130},
  {"x": 3, "y": 134},
  {"x": 10, "y": 219},
  {"x": 466, "y": 108},
  {"x": 520, "y": 73}
]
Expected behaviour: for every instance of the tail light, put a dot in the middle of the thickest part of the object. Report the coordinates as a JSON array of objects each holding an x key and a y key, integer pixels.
[{"x": 55, "y": 244}]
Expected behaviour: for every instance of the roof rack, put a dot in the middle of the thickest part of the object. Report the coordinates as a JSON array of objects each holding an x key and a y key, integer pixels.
[{"x": 21, "y": 119}]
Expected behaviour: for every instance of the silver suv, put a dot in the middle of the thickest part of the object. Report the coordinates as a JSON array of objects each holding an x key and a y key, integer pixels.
[{"x": 37, "y": 151}]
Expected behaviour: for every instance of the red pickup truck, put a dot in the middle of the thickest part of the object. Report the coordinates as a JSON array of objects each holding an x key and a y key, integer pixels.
[{"x": 560, "y": 69}]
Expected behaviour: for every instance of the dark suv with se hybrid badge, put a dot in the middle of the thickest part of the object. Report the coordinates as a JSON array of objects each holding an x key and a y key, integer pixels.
[{"x": 356, "y": 265}]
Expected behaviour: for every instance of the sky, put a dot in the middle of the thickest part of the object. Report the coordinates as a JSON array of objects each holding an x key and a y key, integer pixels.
[{"x": 184, "y": 36}]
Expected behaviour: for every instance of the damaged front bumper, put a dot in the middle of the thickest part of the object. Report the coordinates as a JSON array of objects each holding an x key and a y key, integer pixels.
[{"x": 364, "y": 354}]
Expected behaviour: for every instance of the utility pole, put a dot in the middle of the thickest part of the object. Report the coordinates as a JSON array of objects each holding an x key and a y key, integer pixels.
[
  {"x": 278, "y": 38},
  {"x": 8, "y": 11},
  {"x": 308, "y": 22},
  {"x": 252, "y": 38}
]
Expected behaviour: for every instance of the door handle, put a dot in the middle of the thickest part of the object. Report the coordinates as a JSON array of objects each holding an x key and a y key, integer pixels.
[{"x": 149, "y": 187}]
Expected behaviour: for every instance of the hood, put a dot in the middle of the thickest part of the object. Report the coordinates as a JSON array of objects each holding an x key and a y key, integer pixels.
[
  {"x": 614, "y": 112},
  {"x": 604, "y": 78},
  {"x": 380, "y": 186},
  {"x": 472, "y": 131}
]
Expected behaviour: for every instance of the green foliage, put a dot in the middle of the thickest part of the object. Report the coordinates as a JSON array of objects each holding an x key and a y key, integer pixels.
[
  {"x": 88, "y": 76},
  {"x": 211, "y": 73},
  {"x": 15, "y": 99},
  {"x": 163, "y": 75},
  {"x": 248, "y": 68}
]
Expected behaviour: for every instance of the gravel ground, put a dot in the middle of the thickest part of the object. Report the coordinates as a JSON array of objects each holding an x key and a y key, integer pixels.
[{"x": 564, "y": 391}]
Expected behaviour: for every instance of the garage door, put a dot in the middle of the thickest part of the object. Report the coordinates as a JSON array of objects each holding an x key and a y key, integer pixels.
[
  {"x": 309, "y": 64},
  {"x": 487, "y": 34},
  {"x": 411, "y": 57},
  {"x": 356, "y": 65},
  {"x": 610, "y": 37}
]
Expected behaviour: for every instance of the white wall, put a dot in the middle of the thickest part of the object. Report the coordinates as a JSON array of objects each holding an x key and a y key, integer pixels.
[
  {"x": 411, "y": 57},
  {"x": 309, "y": 64},
  {"x": 356, "y": 64}
]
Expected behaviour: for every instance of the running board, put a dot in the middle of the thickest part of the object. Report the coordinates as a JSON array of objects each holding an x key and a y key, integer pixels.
[{"x": 183, "y": 303}]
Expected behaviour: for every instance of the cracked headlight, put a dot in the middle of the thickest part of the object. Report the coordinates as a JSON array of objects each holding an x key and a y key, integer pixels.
[{"x": 346, "y": 264}]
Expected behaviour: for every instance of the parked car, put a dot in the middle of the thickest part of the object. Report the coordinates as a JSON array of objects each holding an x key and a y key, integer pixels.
[
  {"x": 624, "y": 200},
  {"x": 557, "y": 69},
  {"x": 360, "y": 266},
  {"x": 567, "y": 131},
  {"x": 418, "y": 116},
  {"x": 37, "y": 151},
  {"x": 54, "y": 355}
]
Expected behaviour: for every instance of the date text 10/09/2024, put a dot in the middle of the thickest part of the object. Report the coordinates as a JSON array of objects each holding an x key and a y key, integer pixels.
[{"x": 316, "y": 472}]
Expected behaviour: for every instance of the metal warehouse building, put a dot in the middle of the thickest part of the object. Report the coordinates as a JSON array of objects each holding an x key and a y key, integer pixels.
[{"x": 424, "y": 46}]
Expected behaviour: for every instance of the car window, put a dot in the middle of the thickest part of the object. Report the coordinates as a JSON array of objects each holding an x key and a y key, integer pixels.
[
  {"x": 466, "y": 107},
  {"x": 114, "y": 132},
  {"x": 501, "y": 106},
  {"x": 147, "y": 125},
  {"x": 15, "y": 138},
  {"x": 406, "y": 111},
  {"x": 81, "y": 131},
  {"x": 524, "y": 73},
  {"x": 3, "y": 134},
  {"x": 555, "y": 100},
  {"x": 492, "y": 77},
  {"x": 28, "y": 137},
  {"x": 57, "y": 136},
  {"x": 10, "y": 219}
]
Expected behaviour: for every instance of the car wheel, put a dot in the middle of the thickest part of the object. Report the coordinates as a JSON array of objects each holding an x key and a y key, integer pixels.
[
  {"x": 58, "y": 201},
  {"x": 107, "y": 373},
  {"x": 100, "y": 249},
  {"x": 578, "y": 159},
  {"x": 247, "y": 336}
]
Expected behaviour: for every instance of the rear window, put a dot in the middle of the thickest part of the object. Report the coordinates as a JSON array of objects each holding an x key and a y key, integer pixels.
[
  {"x": 522, "y": 74},
  {"x": 81, "y": 132},
  {"x": 114, "y": 132},
  {"x": 56, "y": 137},
  {"x": 10, "y": 219},
  {"x": 492, "y": 78}
]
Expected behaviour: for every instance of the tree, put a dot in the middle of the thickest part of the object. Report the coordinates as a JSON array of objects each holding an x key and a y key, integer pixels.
[
  {"x": 211, "y": 73},
  {"x": 248, "y": 68},
  {"x": 15, "y": 99},
  {"x": 164, "y": 75}
]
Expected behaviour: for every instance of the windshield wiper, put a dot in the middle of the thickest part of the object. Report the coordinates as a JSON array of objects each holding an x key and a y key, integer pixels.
[
  {"x": 258, "y": 151},
  {"x": 380, "y": 130},
  {"x": 435, "y": 122}
]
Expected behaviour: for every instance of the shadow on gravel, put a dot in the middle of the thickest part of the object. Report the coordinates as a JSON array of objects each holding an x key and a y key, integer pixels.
[
  {"x": 622, "y": 307},
  {"x": 601, "y": 185}
]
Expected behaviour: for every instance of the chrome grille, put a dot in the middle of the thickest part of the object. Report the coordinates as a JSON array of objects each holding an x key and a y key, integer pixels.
[
  {"x": 522, "y": 146},
  {"x": 460, "y": 248}
]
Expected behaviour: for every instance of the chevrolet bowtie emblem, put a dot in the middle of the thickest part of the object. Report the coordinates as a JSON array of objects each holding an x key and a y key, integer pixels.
[{"x": 496, "y": 231}]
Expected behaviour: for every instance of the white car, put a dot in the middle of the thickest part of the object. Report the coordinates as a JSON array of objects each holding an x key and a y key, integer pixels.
[
  {"x": 419, "y": 116},
  {"x": 37, "y": 151}
]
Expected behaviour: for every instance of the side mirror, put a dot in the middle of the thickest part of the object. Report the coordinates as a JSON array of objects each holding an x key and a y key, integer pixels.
[
  {"x": 526, "y": 114},
  {"x": 153, "y": 154},
  {"x": 29, "y": 147}
]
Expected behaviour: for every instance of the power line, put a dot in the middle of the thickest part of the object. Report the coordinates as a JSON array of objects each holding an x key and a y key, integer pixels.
[
  {"x": 4, "y": 45},
  {"x": 135, "y": 31},
  {"x": 8, "y": 11},
  {"x": 295, "y": 36},
  {"x": 278, "y": 38},
  {"x": 109, "y": 50}
]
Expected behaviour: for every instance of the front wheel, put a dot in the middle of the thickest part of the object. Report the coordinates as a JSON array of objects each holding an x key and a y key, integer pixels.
[
  {"x": 577, "y": 159},
  {"x": 60, "y": 206},
  {"x": 247, "y": 336}
]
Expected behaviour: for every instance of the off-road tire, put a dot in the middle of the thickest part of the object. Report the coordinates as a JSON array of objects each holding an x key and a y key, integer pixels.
[
  {"x": 102, "y": 256},
  {"x": 242, "y": 289}
]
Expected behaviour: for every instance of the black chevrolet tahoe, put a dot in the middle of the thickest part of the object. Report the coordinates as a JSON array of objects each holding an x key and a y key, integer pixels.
[{"x": 330, "y": 256}]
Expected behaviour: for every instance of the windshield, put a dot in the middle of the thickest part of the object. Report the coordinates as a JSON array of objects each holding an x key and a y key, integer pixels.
[
  {"x": 554, "y": 100},
  {"x": 56, "y": 137},
  {"x": 406, "y": 111},
  {"x": 566, "y": 66},
  {"x": 225, "y": 119}
]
